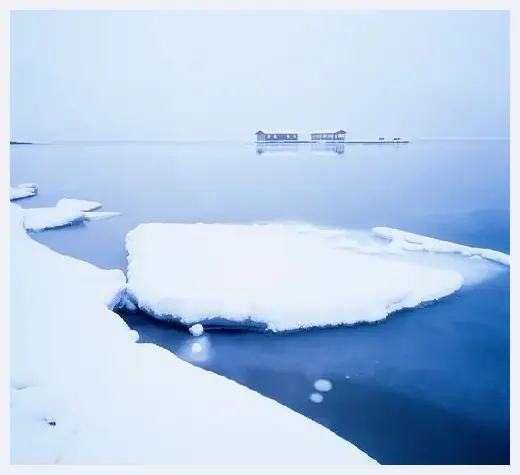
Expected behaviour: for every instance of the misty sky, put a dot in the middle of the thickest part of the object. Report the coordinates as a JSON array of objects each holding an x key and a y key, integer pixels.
[{"x": 224, "y": 75}]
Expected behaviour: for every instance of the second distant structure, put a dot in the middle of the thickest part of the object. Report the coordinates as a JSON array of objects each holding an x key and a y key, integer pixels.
[{"x": 329, "y": 136}]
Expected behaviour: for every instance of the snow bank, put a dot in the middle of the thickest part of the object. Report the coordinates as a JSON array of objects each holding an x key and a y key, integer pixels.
[
  {"x": 415, "y": 242},
  {"x": 286, "y": 276},
  {"x": 83, "y": 392},
  {"x": 25, "y": 190}
]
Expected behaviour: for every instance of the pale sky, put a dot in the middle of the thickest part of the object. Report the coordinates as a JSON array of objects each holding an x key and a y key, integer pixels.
[{"x": 224, "y": 75}]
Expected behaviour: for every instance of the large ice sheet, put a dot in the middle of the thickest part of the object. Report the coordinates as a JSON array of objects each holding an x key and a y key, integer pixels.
[
  {"x": 285, "y": 276},
  {"x": 416, "y": 242},
  {"x": 83, "y": 392},
  {"x": 24, "y": 190}
]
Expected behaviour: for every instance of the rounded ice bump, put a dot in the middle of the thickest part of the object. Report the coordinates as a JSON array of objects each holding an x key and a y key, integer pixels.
[{"x": 196, "y": 330}]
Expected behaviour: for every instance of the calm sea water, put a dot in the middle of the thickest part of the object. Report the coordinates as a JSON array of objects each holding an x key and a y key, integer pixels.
[{"x": 427, "y": 386}]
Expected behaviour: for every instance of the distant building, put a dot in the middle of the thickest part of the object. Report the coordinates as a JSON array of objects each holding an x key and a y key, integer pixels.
[
  {"x": 338, "y": 136},
  {"x": 262, "y": 136}
]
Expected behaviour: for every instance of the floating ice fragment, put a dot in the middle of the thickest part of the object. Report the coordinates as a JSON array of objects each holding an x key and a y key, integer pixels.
[
  {"x": 40, "y": 219},
  {"x": 322, "y": 385},
  {"x": 196, "y": 330},
  {"x": 316, "y": 398}
]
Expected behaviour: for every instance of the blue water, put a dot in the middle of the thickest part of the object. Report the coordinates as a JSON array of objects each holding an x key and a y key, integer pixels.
[{"x": 427, "y": 386}]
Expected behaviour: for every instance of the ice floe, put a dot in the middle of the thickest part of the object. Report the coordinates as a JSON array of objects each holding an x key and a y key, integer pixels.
[
  {"x": 24, "y": 190},
  {"x": 66, "y": 212},
  {"x": 322, "y": 385},
  {"x": 317, "y": 398},
  {"x": 286, "y": 276},
  {"x": 84, "y": 392},
  {"x": 40, "y": 219}
]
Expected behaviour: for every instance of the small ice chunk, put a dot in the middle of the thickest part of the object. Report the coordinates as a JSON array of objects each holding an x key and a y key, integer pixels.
[
  {"x": 316, "y": 398},
  {"x": 322, "y": 385},
  {"x": 197, "y": 329}
]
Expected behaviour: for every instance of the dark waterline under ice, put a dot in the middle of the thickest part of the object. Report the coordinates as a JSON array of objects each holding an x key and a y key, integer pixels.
[{"x": 426, "y": 386}]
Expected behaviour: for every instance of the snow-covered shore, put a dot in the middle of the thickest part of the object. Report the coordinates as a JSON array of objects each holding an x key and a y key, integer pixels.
[{"x": 84, "y": 392}]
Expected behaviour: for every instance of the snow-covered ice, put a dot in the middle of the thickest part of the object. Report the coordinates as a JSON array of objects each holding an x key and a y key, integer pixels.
[
  {"x": 83, "y": 392},
  {"x": 197, "y": 329},
  {"x": 322, "y": 385},
  {"x": 287, "y": 276},
  {"x": 415, "y": 242},
  {"x": 40, "y": 219},
  {"x": 24, "y": 190},
  {"x": 66, "y": 212}
]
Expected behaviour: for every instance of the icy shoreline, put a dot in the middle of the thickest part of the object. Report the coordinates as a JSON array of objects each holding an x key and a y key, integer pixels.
[{"x": 84, "y": 392}]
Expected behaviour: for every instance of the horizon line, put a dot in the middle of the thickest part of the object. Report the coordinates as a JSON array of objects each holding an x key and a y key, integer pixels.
[{"x": 57, "y": 142}]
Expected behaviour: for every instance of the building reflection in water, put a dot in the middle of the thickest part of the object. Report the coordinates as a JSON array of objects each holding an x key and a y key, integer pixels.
[
  {"x": 277, "y": 148},
  {"x": 285, "y": 148},
  {"x": 338, "y": 148}
]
